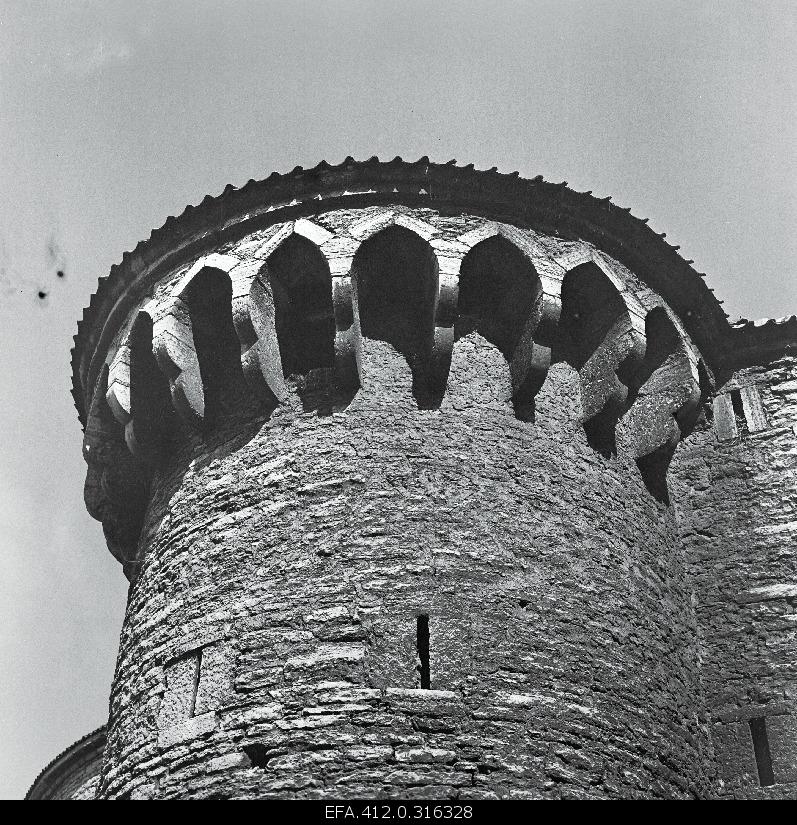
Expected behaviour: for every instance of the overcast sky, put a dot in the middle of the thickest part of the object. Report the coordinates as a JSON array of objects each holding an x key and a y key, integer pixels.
[{"x": 114, "y": 115}]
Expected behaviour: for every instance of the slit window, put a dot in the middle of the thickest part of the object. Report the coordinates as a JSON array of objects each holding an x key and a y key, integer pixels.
[
  {"x": 739, "y": 412},
  {"x": 422, "y": 644},
  {"x": 763, "y": 758},
  {"x": 195, "y": 690}
]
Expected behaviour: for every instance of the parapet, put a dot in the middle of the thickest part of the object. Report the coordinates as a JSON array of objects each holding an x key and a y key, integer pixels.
[{"x": 293, "y": 280}]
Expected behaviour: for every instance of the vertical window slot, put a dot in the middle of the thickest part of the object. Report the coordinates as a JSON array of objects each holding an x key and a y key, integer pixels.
[
  {"x": 738, "y": 408},
  {"x": 197, "y": 673},
  {"x": 423, "y": 651},
  {"x": 763, "y": 758}
]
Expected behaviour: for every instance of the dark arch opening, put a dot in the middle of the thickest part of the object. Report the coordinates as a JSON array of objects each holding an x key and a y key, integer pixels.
[
  {"x": 591, "y": 326},
  {"x": 498, "y": 289},
  {"x": 150, "y": 400},
  {"x": 209, "y": 301},
  {"x": 395, "y": 274},
  {"x": 499, "y": 295},
  {"x": 304, "y": 318},
  {"x": 301, "y": 284}
]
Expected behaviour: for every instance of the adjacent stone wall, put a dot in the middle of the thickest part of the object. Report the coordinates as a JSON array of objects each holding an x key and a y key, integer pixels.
[{"x": 737, "y": 511}]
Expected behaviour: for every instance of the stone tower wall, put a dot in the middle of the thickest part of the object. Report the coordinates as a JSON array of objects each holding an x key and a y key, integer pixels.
[{"x": 271, "y": 638}]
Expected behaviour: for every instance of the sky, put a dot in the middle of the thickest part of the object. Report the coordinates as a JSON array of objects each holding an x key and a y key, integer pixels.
[{"x": 114, "y": 115}]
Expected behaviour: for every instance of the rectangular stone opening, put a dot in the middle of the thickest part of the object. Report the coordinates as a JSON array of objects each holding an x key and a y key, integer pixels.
[
  {"x": 197, "y": 673},
  {"x": 179, "y": 698},
  {"x": 724, "y": 417},
  {"x": 422, "y": 644},
  {"x": 738, "y": 410},
  {"x": 763, "y": 758}
]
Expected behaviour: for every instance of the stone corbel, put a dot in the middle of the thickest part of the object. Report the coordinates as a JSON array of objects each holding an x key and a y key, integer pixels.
[
  {"x": 666, "y": 402},
  {"x": 449, "y": 260},
  {"x": 608, "y": 373},
  {"x": 339, "y": 252},
  {"x": 115, "y": 490},
  {"x": 253, "y": 317}
]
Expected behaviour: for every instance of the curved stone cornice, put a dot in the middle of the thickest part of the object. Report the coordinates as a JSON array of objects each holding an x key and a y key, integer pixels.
[
  {"x": 756, "y": 342},
  {"x": 548, "y": 207}
]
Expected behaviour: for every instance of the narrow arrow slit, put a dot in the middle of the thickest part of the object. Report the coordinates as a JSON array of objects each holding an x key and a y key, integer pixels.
[
  {"x": 422, "y": 644},
  {"x": 763, "y": 758}
]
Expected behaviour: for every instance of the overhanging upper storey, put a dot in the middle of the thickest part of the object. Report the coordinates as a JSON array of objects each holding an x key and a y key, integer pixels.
[{"x": 448, "y": 189}]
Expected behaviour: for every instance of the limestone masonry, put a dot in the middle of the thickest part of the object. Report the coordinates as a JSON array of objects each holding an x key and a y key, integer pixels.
[{"x": 434, "y": 482}]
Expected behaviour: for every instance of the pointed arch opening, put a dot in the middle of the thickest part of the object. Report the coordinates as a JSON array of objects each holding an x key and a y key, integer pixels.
[
  {"x": 209, "y": 301},
  {"x": 152, "y": 415},
  {"x": 301, "y": 286},
  {"x": 594, "y": 338},
  {"x": 499, "y": 299},
  {"x": 395, "y": 277}
]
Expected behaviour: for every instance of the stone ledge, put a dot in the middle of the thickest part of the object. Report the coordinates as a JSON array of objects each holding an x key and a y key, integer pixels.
[
  {"x": 744, "y": 714},
  {"x": 189, "y": 729},
  {"x": 769, "y": 592}
]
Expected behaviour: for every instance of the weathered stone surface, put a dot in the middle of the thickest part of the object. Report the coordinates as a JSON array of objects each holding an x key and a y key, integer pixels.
[{"x": 187, "y": 730}]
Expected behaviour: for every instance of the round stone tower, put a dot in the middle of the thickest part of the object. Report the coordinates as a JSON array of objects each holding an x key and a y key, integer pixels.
[{"x": 383, "y": 450}]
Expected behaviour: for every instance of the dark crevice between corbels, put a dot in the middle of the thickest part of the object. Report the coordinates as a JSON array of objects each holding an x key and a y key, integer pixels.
[{"x": 653, "y": 468}]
